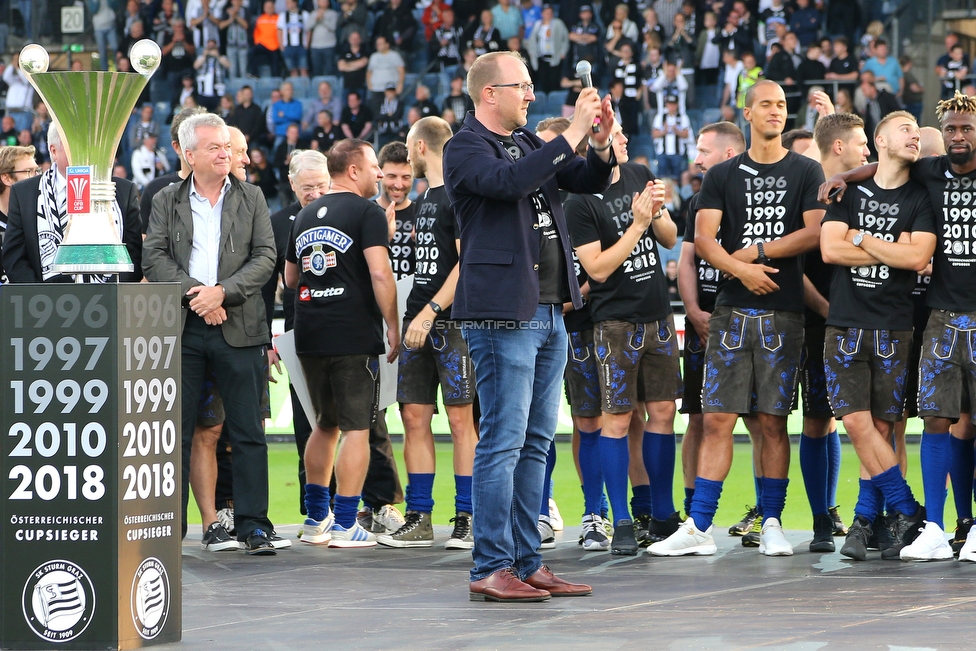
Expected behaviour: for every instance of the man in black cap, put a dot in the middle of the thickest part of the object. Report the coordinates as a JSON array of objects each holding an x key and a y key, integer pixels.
[{"x": 584, "y": 39}]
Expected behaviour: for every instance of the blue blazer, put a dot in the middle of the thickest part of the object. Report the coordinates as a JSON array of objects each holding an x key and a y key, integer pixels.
[{"x": 490, "y": 194}]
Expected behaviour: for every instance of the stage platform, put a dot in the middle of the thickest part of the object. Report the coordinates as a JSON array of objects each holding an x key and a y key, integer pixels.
[{"x": 319, "y": 598}]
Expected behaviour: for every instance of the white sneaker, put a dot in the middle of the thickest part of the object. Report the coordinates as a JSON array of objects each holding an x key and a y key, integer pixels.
[
  {"x": 225, "y": 517},
  {"x": 555, "y": 519},
  {"x": 315, "y": 532},
  {"x": 930, "y": 545},
  {"x": 687, "y": 540},
  {"x": 594, "y": 537},
  {"x": 388, "y": 517},
  {"x": 968, "y": 551},
  {"x": 354, "y": 536},
  {"x": 772, "y": 542}
]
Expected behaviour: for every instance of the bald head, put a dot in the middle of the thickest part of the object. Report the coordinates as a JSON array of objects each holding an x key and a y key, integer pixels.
[
  {"x": 238, "y": 154},
  {"x": 931, "y": 143}
]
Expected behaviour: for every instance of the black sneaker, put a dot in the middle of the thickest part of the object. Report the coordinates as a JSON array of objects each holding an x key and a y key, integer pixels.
[
  {"x": 823, "y": 534},
  {"x": 904, "y": 529},
  {"x": 279, "y": 542},
  {"x": 259, "y": 544},
  {"x": 642, "y": 529},
  {"x": 662, "y": 529},
  {"x": 624, "y": 541},
  {"x": 840, "y": 529},
  {"x": 744, "y": 526},
  {"x": 963, "y": 525},
  {"x": 216, "y": 539},
  {"x": 881, "y": 537},
  {"x": 753, "y": 537},
  {"x": 857, "y": 542}
]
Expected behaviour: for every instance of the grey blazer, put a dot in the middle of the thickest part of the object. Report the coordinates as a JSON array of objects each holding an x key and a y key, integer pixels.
[{"x": 246, "y": 257}]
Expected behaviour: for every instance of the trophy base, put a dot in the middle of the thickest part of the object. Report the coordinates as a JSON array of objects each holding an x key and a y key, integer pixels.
[{"x": 92, "y": 258}]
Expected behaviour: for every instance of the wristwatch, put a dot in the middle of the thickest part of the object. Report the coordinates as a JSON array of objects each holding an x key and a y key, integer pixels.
[
  {"x": 762, "y": 259},
  {"x": 858, "y": 239},
  {"x": 434, "y": 306}
]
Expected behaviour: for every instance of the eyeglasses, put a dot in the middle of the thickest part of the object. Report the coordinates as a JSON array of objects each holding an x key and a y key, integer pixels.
[
  {"x": 32, "y": 171},
  {"x": 525, "y": 87}
]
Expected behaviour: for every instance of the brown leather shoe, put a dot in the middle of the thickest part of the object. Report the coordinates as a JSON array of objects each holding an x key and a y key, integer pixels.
[
  {"x": 504, "y": 585},
  {"x": 544, "y": 579}
]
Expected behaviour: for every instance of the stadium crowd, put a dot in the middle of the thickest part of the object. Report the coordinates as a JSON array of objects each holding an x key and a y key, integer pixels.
[{"x": 311, "y": 106}]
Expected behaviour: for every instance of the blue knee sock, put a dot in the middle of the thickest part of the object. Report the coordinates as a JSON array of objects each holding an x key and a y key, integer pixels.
[
  {"x": 590, "y": 468},
  {"x": 462, "y": 494},
  {"x": 420, "y": 492},
  {"x": 689, "y": 495},
  {"x": 773, "y": 498},
  {"x": 814, "y": 464},
  {"x": 870, "y": 501},
  {"x": 658, "y": 453},
  {"x": 833, "y": 467},
  {"x": 614, "y": 460},
  {"x": 604, "y": 504},
  {"x": 640, "y": 501},
  {"x": 346, "y": 507},
  {"x": 317, "y": 501},
  {"x": 897, "y": 493},
  {"x": 759, "y": 491},
  {"x": 705, "y": 502},
  {"x": 961, "y": 473},
  {"x": 547, "y": 483},
  {"x": 935, "y": 452}
]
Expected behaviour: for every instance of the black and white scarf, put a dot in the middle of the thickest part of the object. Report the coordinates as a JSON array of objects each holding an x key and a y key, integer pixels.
[{"x": 52, "y": 223}]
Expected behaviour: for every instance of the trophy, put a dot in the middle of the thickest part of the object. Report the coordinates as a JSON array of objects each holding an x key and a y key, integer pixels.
[{"x": 91, "y": 109}]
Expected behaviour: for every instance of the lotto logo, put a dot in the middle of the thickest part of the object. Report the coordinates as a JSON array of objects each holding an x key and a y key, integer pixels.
[{"x": 304, "y": 294}]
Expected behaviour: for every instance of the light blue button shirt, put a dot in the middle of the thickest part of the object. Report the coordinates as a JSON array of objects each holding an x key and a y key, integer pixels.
[{"x": 206, "y": 234}]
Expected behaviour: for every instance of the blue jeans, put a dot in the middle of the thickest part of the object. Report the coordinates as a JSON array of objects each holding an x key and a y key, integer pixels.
[
  {"x": 108, "y": 43},
  {"x": 295, "y": 57},
  {"x": 323, "y": 61},
  {"x": 519, "y": 373}
]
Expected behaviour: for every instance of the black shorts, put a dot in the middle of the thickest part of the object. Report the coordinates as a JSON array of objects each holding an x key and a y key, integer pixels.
[
  {"x": 633, "y": 356},
  {"x": 866, "y": 371},
  {"x": 210, "y": 412},
  {"x": 694, "y": 370},
  {"x": 947, "y": 370},
  {"x": 752, "y": 350},
  {"x": 813, "y": 382},
  {"x": 582, "y": 377},
  {"x": 345, "y": 389},
  {"x": 443, "y": 360},
  {"x": 911, "y": 375}
]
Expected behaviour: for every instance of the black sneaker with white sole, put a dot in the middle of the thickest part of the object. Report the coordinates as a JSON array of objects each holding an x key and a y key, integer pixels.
[
  {"x": 216, "y": 539},
  {"x": 624, "y": 541}
]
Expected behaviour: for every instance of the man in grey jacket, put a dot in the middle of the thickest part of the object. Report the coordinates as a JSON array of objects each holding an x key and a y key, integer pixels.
[{"x": 212, "y": 234}]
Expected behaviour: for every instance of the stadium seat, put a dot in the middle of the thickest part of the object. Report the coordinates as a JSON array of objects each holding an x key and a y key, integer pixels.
[
  {"x": 555, "y": 101},
  {"x": 301, "y": 86}
]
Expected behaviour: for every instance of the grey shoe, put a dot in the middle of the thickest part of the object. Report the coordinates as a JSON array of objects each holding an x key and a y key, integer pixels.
[
  {"x": 387, "y": 519},
  {"x": 462, "y": 537},
  {"x": 416, "y": 531},
  {"x": 547, "y": 534}
]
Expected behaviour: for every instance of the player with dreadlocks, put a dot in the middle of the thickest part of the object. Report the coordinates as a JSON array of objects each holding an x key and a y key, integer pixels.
[{"x": 948, "y": 365}]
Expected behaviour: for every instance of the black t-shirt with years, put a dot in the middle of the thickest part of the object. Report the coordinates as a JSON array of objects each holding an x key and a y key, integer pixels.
[
  {"x": 877, "y": 297},
  {"x": 402, "y": 246},
  {"x": 637, "y": 291},
  {"x": 435, "y": 246},
  {"x": 953, "y": 198},
  {"x": 762, "y": 203},
  {"x": 335, "y": 308},
  {"x": 553, "y": 287},
  {"x": 707, "y": 275}
]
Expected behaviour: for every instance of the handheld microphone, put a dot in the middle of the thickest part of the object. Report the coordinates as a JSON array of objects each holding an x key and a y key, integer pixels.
[{"x": 584, "y": 73}]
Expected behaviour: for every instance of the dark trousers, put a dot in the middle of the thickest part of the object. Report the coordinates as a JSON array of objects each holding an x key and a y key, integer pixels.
[
  {"x": 224, "y": 494},
  {"x": 240, "y": 379},
  {"x": 303, "y": 429},
  {"x": 382, "y": 484}
]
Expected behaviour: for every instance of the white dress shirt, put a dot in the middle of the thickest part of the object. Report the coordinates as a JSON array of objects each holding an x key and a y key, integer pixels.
[{"x": 206, "y": 234}]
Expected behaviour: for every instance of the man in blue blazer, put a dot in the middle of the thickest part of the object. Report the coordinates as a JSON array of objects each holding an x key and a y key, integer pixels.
[{"x": 516, "y": 271}]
